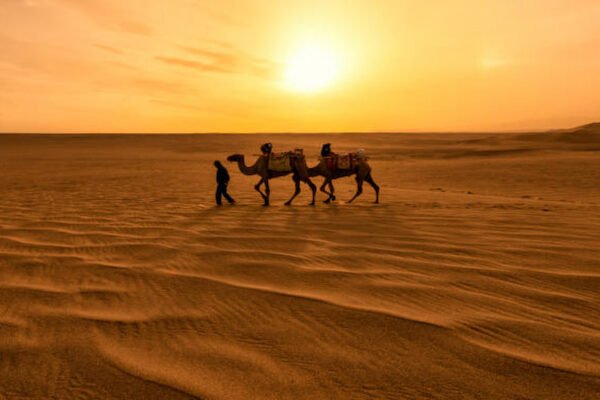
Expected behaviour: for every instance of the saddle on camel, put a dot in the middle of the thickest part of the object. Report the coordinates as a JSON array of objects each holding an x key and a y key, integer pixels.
[
  {"x": 281, "y": 162},
  {"x": 342, "y": 161}
]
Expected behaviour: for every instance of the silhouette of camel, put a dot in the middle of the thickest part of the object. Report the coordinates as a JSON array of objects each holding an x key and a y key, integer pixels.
[
  {"x": 361, "y": 169},
  {"x": 261, "y": 167}
]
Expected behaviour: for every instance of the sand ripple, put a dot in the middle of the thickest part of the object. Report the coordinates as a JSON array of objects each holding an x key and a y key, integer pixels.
[{"x": 116, "y": 284}]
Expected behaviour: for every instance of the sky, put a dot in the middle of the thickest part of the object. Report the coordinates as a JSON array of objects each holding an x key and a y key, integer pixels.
[{"x": 79, "y": 66}]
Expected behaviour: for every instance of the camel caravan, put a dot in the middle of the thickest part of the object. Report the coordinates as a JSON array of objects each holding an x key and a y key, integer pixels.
[{"x": 270, "y": 165}]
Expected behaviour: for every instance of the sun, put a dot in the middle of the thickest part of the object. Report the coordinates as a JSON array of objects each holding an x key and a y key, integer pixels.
[{"x": 312, "y": 68}]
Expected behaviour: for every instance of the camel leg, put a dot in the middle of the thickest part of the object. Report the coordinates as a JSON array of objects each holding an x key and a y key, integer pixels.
[
  {"x": 322, "y": 189},
  {"x": 359, "y": 183},
  {"x": 370, "y": 181},
  {"x": 296, "y": 191},
  {"x": 267, "y": 192},
  {"x": 257, "y": 188},
  {"x": 313, "y": 188},
  {"x": 331, "y": 189}
]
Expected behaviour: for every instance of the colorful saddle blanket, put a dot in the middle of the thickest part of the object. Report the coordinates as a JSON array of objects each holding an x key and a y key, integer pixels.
[
  {"x": 330, "y": 162},
  {"x": 345, "y": 161}
]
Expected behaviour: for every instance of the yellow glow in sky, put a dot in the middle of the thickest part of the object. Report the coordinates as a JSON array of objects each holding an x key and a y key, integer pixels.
[
  {"x": 311, "y": 69},
  {"x": 287, "y": 65}
]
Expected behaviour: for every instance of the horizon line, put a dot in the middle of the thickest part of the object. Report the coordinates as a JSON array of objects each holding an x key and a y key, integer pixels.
[
  {"x": 383, "y": 131},
  {"x": 538, "y": 130}
]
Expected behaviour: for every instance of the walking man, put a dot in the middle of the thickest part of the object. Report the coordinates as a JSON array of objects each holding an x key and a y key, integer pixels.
[{"x": 222, "y": 182}]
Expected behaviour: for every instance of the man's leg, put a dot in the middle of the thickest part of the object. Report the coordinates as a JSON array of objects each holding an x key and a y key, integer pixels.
[
  {"x": 218, "y": 194},
  {"x": 227, "y": 196}
]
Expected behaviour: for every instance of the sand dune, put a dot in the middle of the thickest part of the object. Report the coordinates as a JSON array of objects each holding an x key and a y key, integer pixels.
[{"x": 477, "y": 277}]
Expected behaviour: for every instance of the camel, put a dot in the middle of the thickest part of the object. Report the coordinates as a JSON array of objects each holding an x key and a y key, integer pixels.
[
  {"x": 260, "y": 167},
  {"x": 361, "y": 169}
]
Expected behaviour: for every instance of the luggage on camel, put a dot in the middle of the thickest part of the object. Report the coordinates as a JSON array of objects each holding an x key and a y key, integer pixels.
[
  {"x": 345, "y": 161},
  {"x": 340, "y": 161},
  {"x": 282, "y": 162}
]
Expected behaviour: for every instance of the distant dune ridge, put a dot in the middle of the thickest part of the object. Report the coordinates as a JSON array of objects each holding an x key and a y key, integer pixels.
[
  {"x": 586, "y": 135},
  {"x": 588, "y": 129},
  {"x": 478, "y": 277}
]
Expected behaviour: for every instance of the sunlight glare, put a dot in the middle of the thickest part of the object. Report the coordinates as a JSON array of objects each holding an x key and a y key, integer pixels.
[{"x": 311, "y": 69}]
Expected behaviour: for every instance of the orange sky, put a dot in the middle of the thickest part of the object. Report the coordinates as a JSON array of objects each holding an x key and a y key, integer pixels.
[{"x": 206, "y": 66}]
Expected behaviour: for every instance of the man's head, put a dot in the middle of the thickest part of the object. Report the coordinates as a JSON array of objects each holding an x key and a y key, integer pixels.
[
  {"x": 266, "y": 148},
  {"x": 217, "y": 164}
]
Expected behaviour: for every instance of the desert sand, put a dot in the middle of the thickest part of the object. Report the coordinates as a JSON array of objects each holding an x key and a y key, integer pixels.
[{"x": 477, "y": 277}]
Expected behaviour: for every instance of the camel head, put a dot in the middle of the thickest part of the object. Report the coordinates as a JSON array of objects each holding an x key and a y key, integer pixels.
[{"x": 234, "y": 157}]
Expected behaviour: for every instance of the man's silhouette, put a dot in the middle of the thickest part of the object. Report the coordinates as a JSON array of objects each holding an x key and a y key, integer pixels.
[
  {"x": 326, "y": 150},
  {"x": 266, "y": 149},
  {"x": 222, "y": 181}
]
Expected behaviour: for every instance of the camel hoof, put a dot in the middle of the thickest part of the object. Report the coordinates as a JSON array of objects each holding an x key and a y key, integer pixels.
[
  {"x": 333, "y": 198},
  {"x": 311, "y": 204},
  {"x": 287, "y": 203},
  {"x": 327, "y": 201}
]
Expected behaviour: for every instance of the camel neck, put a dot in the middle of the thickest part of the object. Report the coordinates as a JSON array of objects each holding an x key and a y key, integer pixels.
[{"x": 248, "y": 169}]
